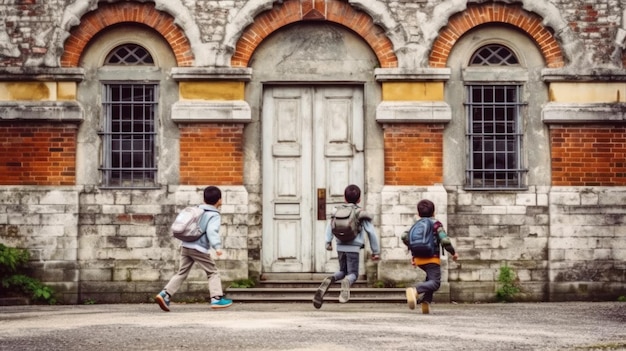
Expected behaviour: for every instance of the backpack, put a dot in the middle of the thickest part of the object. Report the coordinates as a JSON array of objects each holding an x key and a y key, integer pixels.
[
  {"x": 345, "y": 224},
  {"x": 186, "y": 226},
  {"x": 422, "y": 238}
]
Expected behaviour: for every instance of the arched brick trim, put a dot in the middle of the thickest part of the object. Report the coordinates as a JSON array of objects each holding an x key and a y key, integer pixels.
[
  {"x": 474, "y": 16},
  {"x": 110, "y": 14},
  {"x": 303, "y": 10}
]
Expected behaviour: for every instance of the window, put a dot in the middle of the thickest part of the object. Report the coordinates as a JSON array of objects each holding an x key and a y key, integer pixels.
[
  {"x": 128, "y": 136},
  {"x": 129, "y": 54},
  {"x": 494, "y": 135}
]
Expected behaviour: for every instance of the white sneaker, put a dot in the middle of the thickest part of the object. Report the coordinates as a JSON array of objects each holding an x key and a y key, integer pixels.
[{"x": 344, "y": 295}]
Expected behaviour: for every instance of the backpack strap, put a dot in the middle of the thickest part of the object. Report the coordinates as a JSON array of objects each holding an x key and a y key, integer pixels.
[
  {"x": 207, "y": 222},
  {"x": 362, "y": 215}
]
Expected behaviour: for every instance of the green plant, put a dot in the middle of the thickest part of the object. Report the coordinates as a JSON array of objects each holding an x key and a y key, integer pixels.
[
  {"x": 13, "y": 279},
  {"x": 622, "y": 298},
  {"x": 507, "y": 285},
  {"x": 243, "y": 283},
  {"x": 11, "y": 259}
]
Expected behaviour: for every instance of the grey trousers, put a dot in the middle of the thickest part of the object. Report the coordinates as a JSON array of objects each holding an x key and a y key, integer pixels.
[
  {"x": 187, "y": 258},
  {"x": 432, "y": 282}
]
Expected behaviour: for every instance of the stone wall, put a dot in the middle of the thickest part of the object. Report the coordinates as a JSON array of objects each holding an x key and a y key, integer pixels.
[
  {"x": 587, "y": 245},
  {"x": 113, "y": 246},
  {"x": 563, "y": 243}
]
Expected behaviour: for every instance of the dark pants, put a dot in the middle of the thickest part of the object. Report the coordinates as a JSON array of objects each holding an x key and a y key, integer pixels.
[
  {"x": 348, "y": 266},
  {"x": 432, "y": 282}
]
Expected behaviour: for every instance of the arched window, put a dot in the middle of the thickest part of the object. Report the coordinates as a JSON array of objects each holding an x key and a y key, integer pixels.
[
  {"x": 129, "y": 54},
  {"x": 494, "y": 55},
  {"x": 494, "y": 134},
  {"x": 128, "y": 134}
]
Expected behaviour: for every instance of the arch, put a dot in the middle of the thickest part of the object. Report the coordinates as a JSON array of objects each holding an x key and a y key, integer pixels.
[
  {"x": 474, "y": 16},
  {"x": 110, "y": 14},
  {"x": 335, "y": 11}
]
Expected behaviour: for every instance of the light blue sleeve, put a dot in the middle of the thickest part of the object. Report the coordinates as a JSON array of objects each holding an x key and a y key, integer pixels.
[
  {"x": 329, "y": 233},
  {"x": 368, "y": 227},
  {"x": 213, "y": 230}
]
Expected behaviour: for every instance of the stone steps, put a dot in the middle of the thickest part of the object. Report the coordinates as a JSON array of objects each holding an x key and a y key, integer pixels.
[{"x": 300, "y": 287}]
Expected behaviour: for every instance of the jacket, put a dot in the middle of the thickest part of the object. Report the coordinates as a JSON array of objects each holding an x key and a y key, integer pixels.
[
  {"x": 211, "y": 221},
  {"x": 359, "y": 242},
  {"x": 442, "y": 240}
]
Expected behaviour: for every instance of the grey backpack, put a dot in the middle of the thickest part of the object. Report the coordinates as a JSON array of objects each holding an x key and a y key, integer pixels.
[
  {"x": 345, "y": 223},
  {"x": 186, "y": 226}
]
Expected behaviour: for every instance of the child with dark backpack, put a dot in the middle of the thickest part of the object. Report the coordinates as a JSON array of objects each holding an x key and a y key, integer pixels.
[
  {"x": 197, "y": 251},
  {"x": 424, "y": 240},
  {"x": 348, "y": 226}
]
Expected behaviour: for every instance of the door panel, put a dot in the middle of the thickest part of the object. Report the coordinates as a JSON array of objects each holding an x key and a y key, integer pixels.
[
  {"x": 312, "y": 139},
  {"x": 339, "y": 113}
]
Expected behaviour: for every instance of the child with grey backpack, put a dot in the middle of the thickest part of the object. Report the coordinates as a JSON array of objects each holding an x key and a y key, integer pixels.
[{"x": 348, "y": 252}]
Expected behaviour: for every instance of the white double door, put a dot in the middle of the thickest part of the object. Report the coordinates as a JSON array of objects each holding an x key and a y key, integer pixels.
[{"x": 312, "y": 149}]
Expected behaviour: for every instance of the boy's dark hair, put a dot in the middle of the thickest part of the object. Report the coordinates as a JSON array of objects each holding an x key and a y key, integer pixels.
[
  {"x": 212, "y": 195},
  {"x": 425, "y": 208},
  {"x": 352, "y": 194}
]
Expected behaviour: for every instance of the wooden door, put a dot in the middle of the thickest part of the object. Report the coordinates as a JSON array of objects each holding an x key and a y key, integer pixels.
[{"x": 312, "y": 141}]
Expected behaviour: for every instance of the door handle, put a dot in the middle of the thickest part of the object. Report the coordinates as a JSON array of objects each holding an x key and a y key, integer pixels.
[{"x": 321, "y": 204}]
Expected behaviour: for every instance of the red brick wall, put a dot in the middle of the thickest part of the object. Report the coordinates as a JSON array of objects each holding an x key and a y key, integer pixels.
[
  {"x": 292, "y": 11},
  {"x": 211, "y": 154},
  {"x": 37, "y": 154},
  {"x": 413, "y": 154},
  {"x": 477, "y": 15},
  {"x": 591, "y": 155}
]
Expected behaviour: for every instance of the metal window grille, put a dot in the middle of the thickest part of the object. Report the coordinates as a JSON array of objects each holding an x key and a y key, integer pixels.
[
  {"x": 129, "y": 55},
  {"x": 494, "y": 55},
  {"x": 128, "y": 137},
  {"x": 494, "y": 137}
]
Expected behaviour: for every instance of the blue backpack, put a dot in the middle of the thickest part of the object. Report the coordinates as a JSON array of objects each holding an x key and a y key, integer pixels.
[{"x": 422, "y": 239}]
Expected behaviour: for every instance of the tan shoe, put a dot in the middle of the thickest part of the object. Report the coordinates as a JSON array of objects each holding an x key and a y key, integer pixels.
[{"x": 411, "y": 297}]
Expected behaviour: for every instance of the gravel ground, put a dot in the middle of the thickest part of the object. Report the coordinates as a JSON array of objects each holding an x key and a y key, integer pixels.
[{"x": 298, "y": 326}]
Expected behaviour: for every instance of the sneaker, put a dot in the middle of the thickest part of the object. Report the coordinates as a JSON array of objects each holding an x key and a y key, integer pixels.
[
  {"x": 163, "y": 299},
  {"x": 425, "y": 307},
  {"x": 222, "y": 302},
  {"x": 420, "y": 297},
  {"x": 344, "y": 295},
  {"x": 318, "y": 299},
  {"x": 411, "y": 297}
]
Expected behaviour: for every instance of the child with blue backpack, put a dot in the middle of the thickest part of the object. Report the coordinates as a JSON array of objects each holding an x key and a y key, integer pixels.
[{"x": 424, "y": 240}]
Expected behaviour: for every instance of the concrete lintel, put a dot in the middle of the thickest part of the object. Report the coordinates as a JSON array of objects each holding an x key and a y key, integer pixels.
[
  {"x": 586, "y": 75},
  {"x": 53, "y": 74},
  {"x": 211, "y": 73},
  {"x": 555, "y": 112},
  {"x": 499, "y": 74},
  {"x": 421, "y": 74},
  {"x": 211, "y": 111},
  {"x": 53, "y": 111},
  {"x": 413, "y": 112}
]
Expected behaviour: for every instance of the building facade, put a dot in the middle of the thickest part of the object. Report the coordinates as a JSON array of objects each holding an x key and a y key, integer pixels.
[{"x": 506, "y": 114}]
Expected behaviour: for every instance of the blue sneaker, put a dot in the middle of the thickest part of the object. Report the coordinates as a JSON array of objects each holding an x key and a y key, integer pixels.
[
  {"x": 163, "y": 299},
  {"x": 221, "y": 302}
]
